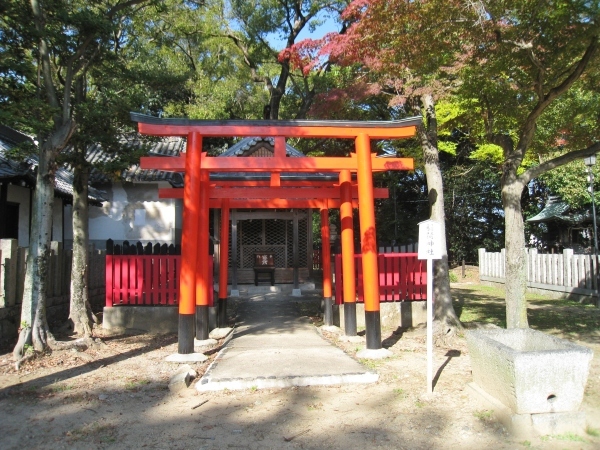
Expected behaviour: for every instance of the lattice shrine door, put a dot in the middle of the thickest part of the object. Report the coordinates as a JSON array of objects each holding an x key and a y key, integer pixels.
[{"x": 270, "y": 231}]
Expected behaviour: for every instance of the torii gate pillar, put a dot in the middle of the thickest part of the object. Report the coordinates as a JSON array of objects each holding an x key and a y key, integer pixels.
[
  {"x": 368, "y": 241},
  {"x": 347, "y": 239}
]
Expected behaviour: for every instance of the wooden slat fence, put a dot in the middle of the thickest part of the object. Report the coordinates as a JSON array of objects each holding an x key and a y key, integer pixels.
[
  {"x": 566, "y": 272},
  {"x": 151, "y": 280},
  {"x": 402, "y": 277}
]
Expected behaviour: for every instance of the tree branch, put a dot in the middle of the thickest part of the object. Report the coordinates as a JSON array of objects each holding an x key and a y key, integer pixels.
[
  {"x": 536, "y": 171},
  {"x": 44, "y": 55}
]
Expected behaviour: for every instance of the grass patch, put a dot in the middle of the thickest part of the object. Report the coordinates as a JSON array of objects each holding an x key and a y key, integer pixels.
[
  {"x": 484, "y": 304},
  {"x": 484, "y": 415},
  {"x": 400, "y": 393},
  {"x": 102, "y": 432},
  {"x": 570, "y": 437},
  {"x": 595, "y": 432},
  {"x": 134, "y": 385},
  {"x": 58, "y": 388},
  {"x": 372, "y": 364}
]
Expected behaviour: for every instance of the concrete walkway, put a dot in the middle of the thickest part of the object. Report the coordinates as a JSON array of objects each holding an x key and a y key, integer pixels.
[{"x": 273, "y": 346}]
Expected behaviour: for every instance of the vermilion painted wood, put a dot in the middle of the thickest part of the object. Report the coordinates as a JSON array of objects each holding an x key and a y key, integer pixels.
[
  {"x": 292, "y": 193},
  {"x": 280, "y": 147},
  {"x": 265, "y": 183},
  {"x": 347, "y": 235},
  {"x": 189, "y": 235},
  {"x": 275, "y": 180},
  {"x": 306, "y": 131},
  {"x": 108, "y": 294},
  {"x": 202, "y": 286},
  {"x": 326, "y": 252},
  {"x": 402, "y": 277},
  {"x": 276, "y": 203},
  {"x": 275, "y": 164},
  {"x": 366, "y": 214},
  {"x": 145, "y": 280}
]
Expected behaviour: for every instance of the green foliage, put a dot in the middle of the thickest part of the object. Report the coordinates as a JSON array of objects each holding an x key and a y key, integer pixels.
[
  {"x": 570, "y": 182},
  {"x": 595, "y": 432},
  {"x": 484, "y": 415},
  {"x": 488, "y": 152}
]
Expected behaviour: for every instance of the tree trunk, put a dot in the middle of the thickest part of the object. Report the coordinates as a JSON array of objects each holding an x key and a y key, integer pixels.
[
  {"x": 278, "y": 91},
  {"x": 33, "y": 310},
  {"x": 444, "y": 315},
  {"x": 81, "y": 313},
  {"x": 515, "y": 263}
]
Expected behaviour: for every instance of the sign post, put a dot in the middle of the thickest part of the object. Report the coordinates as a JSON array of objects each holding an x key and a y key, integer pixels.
[{"x": 430, "y": 248}]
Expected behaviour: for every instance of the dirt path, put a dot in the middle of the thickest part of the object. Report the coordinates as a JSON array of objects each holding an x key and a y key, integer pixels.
[{"x": 116, "y": 396}]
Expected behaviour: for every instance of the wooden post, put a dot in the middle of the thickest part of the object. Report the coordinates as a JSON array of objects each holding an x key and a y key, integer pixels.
[
  {"x": 368, "y": 239},
  {"x": 326, "y": 266},
  {"x": 429, "y": 325},
  {"x": 347, "y": 239},
  {"x": 234, "y": 263},
  {"x": 202, "y": 267},
  {"x": 189, "y": 244},
  {"x": 295, "y": 251},
  {"x": 224, "y": 258}
]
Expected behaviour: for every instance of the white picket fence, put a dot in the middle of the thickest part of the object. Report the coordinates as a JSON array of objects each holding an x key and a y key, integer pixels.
[{"x": 566, "y": 272}]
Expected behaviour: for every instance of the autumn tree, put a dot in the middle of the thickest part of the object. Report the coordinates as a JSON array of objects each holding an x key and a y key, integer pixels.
[
  {"x": 386, "y": 42},
  {"x": 523, "y": 61},
  {"x": 253, "y": 26},
  {"x": 510, "y": 62}
]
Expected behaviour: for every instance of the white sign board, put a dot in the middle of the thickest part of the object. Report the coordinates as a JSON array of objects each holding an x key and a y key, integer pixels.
[
  {"x": 430, "y": 240},
  {"x": 430, "y": 248}
]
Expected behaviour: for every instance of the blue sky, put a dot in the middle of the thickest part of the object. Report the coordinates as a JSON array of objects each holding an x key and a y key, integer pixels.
[{"x": 328, "y": 26}]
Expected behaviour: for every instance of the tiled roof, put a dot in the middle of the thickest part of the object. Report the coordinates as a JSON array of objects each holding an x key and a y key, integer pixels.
[
  {"x": 558, "y": 210},
  {"x": 170, "y": 146},
  {"x": 25, "y": 171},
  {"x": 246, "y": 144}
]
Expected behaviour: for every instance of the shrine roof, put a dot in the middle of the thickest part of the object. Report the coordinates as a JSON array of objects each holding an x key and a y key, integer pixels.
[{"x": 557, "y": 210}]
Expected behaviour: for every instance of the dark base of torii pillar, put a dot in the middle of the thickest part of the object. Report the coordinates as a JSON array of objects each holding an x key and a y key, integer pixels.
[{"x": 222, "y": 313}]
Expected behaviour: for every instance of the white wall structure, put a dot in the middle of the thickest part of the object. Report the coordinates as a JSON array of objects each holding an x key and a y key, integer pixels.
[
  {"x": 21, "y": 195},
  {"x": 133, "y": 212}
]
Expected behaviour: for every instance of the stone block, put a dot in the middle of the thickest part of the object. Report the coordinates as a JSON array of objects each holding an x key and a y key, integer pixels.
[
  {"x": 531, "y": 425},
  {"x": 529, "y": 371},
  {"x": 393, "y": 314},
  {"x": 182, "y": 379},
  {"x": 153, "y": 319}
]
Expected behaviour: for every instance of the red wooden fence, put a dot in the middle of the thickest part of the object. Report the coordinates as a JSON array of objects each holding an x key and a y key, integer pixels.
[
  {"x": 401, "y": 277},
  {"x": 151, "y": 280},
  {"x": 316, "y": 259}
]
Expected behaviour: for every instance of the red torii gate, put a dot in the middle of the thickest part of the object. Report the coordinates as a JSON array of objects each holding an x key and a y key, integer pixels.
[{"x": 199, "y": 194}]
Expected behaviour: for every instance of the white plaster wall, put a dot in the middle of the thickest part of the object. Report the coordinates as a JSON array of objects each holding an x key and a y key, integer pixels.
[
  {"x": 20, "y": 195},
  {"x": 117, "y": 218}
]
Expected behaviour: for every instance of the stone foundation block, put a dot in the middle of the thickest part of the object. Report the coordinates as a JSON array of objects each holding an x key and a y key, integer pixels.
[
  {"x": 393, "y": 314},
  {"x": 153, "y": 319},
  {"x": 531, "y": 425}
]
